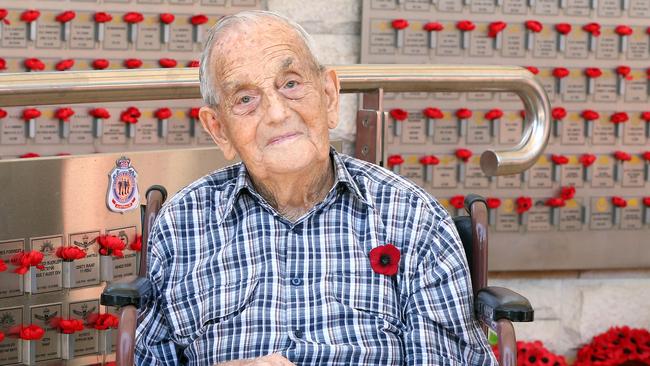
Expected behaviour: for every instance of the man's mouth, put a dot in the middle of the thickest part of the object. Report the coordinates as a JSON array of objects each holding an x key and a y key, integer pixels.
[{"x": 282, "y": 138}]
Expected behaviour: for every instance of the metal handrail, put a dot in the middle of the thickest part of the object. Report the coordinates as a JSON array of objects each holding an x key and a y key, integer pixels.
[{"x": 22, "y": 89}]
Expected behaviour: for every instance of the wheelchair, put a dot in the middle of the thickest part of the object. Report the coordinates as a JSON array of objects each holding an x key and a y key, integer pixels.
[{"x": 495, "y": 307}]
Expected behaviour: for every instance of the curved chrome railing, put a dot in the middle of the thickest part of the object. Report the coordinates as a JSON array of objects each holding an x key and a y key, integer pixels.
[{"x": 21, "y": 89}]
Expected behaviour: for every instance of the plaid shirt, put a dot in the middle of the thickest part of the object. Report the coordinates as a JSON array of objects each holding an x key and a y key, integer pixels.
[{"x": 233, "y": 279}]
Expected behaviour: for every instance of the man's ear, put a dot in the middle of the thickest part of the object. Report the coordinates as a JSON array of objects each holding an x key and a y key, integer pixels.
[
  {"x": 215, "y": 126},
  {"x": 332, "y": 88}
]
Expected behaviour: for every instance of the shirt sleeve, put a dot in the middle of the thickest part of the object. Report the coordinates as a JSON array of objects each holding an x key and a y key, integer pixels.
[
  {"x": 441, "y": 328},
  {"x": 154, "y": 344}
]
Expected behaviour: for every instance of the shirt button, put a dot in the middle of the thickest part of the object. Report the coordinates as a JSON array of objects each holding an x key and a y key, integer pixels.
[
  {"x": 296, "y": 281},
  {"x": 297, "y": 333}
]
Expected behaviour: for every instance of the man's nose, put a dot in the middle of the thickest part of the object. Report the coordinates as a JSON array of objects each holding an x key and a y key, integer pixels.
[{"x": 276, "y": 107}]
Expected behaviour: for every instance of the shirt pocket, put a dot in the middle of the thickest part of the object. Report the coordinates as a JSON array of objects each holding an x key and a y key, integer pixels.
[
  {"x": 225, "y": 303},
  {"x": 371, "y": 294},
  {"x": 193, "y": 311}
]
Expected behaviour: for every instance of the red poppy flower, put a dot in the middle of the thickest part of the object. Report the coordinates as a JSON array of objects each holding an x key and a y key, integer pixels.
[
  {"x": 163, "y": 113},
  {"x": 495, "y": 28},
  {"x": 534, "y": 26},
  {"x": 592, "y": 28},
  {"x": 433, "y": 27},
  {"x": 433, "y": 113},
  {"x": 34, "y": 64},
  {"x": 100, "y": 64},
  {"x": 133, "y": 17},
  {"x": 29, "y": 155},
  {"x": 463, "y": 113},
  {"x": 624, "y": 71},
  {"x": 30, "y": 15},
  {"x": 646, "y": 203},
  {"x": 99, "y": 113},
  {"x": 193, "y": 63},
  {"x": 199, "y": 19},
  {"x": 384, "y": 259},
  {"x": 64, "y": 65},
  {"x": 65, "y": 16},
  {"x": 399, "y": 114},
  {"x": 399, "y": 24},
  {"x": 559, "y": 159},
  {"x": 3, "y": 64},
  {"x": 619, "y": 117},
  {"x": 465, "y": 26},
  {"x": 493, "y": 202},
  {"x": 429, "y": 160},
  {"x": 30, "y": 113},
  {"x": 71, "y": 253},
  {"x": 64, "y": 114},
  {"x": 555, "y": 202},
  {"x": 136, "y": 245},
  {"x": 619, "y": 202},
  {"x": 3, "y": 265},
  {"x": 560, "y": 72},
  {"x": 568, "y": 192},
  {"x": 102, "y": 17},
  {"x": 167, "y": 18},
  {"x": 3, "y": 16},
  {"x": 132, "y": 63},
  {"x": 130, "y": 115},
  {"x": 31, "y": 332},
  {"x": 105, "y": 321},
  {"x": 623, "y": 30},
  {"x": 533, "y": 70},
  {"x": 457, "y": 201},
  {"x": 463, "y": 154},
  {"x": 589, "y": 115},
  {"x": 2, "y": 337},
  {"x": 111, "y": 245},
  {"x": 622, "y": 156},
  {"x": 194, "y": 113},
  {"x": 167, "y": 62},
  {"x": 395, "y": 160},
  {"x": 593, "y": 72},
  {"x": 3, "y": 113},
  {"x": 523, "y": 204},
  {"x": 70, "y": 326},
  {"x": 493, "y": 114},
  {"x": 563, "y": 28},
  {"x": 24, "y": 260},
  {"x": 558, "y": 113},
  {"x": 617, "y": 346}
]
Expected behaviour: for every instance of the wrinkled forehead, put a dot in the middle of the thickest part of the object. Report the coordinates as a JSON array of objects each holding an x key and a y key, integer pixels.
[{"x": 266, "y": 46}]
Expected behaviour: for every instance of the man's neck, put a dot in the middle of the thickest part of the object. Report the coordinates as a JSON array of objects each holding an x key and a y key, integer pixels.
[{"x": 292, "y": 195}]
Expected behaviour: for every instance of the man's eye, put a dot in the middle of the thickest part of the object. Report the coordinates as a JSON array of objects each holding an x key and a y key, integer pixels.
[
  {"x": 291, "y": 84},
  {"x": 245, "y": 99}
]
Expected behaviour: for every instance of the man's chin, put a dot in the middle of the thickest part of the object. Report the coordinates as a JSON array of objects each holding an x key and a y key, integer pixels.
[{"x": 289, "y": 158}]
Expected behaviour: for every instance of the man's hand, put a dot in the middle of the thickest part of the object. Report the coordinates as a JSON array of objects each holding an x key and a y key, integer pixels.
[{"x": 271, "y": 360}]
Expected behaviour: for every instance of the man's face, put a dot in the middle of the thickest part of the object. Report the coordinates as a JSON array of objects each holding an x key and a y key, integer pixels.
[{"x": 276, "y": 106}]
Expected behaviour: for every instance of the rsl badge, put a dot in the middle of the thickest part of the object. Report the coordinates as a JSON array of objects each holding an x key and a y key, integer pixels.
[{"x": 123, "y": 192}]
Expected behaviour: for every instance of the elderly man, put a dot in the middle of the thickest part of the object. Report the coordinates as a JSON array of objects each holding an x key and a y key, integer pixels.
[{"x": 299, "y": 255}]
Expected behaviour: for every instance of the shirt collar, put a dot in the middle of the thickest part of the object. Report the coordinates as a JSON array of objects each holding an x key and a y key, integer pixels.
[{"x": 242, "y": 182}]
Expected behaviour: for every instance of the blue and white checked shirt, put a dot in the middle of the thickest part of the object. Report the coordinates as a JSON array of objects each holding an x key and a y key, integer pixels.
[{"x": 233, "y": 279}]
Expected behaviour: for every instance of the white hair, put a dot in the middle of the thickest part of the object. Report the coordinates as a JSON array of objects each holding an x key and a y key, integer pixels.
[{"x": 206, "y": 77}]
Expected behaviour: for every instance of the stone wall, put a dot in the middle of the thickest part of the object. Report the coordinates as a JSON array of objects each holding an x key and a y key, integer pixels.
[{"x": 570, "y": 307}]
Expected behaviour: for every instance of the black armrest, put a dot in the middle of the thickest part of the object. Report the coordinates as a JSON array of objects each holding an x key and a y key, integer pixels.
[
  {"x": 495, "y": 303},
  {"x": 134, "y": 291}
]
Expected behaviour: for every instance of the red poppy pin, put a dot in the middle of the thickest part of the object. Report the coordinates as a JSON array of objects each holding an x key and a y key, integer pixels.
[{"x": 384, "y": 259}]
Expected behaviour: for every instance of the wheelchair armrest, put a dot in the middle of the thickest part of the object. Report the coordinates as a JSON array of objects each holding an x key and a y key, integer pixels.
[
  {"x": 495, "y": 303},
  {"x": 134, "y": 291}
]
